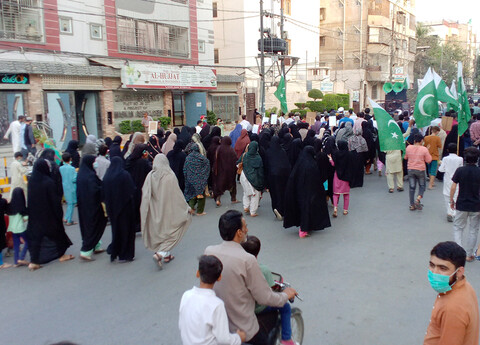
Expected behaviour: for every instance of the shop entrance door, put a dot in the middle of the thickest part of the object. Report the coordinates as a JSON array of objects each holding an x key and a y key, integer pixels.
[
  {"x": 88, "y": 115},
  {"x": 12, "y": 105},
  {"x": 60, "y": 110},
  {"x": 178, "y": 109}
]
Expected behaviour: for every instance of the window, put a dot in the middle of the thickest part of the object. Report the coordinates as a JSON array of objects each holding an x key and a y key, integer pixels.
[
  {"x": 287, "y": 7},
  {"x": 216, "y": 58},
  {"x": 215, "y": 11},
  {"x": 66, "y": 26},
  {"x": 226, "y": 107},
  {"x": 374, "y": 35},
  {"x": 201, "y": 46},
  {"x": 21, "y": 20},
  {"x": 96, "y": 31},
  {"x": 323, "y": 40},
  {"x": 143, "y": 37},
  {"x": 374, "y": 92},
  {"x": 323, "y": 13}
]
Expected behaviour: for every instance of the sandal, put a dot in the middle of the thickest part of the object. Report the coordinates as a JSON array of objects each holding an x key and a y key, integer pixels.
[
  {"x": 390, "y": 190},
  {"x": 345, "y": 212},
  {"x": 157, "y": 258},
  {"x": 218, "y": 203},
  {"x": 334, "y": 214},
  {"x": 34, "y": 267},
  {"x": 71, "y": 223},
  {"x": 169, "y": 258},
  {"x": 5, "y": 266},
  {"x": 412, "y": 208},
  {"x": 418, "y": 205},
  {"x": 303, "y": 234},
  {"x": 235, "y": 201}
]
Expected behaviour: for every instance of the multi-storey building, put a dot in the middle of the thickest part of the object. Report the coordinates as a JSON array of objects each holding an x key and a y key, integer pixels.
[
  {"x": 82, "y": 66},
  {"x": 463, "y": 35},
  {"x": 365, "y": 43},
  {"x": 236, "y": 45}
]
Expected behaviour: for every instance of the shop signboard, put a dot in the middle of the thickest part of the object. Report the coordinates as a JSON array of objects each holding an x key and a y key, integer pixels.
[
  {"x": 326, "y": 86},
  {"x": 157, "y": 76}
]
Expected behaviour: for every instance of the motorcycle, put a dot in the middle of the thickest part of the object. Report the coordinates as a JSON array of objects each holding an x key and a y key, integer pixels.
[{"x": 270, "y": 322}]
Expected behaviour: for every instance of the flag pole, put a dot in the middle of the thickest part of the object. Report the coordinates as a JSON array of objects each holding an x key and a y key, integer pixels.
[{"x": 458, "y": 144}]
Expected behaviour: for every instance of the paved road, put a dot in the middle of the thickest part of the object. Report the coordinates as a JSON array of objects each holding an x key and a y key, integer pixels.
[{"x": 363, "y": 281}]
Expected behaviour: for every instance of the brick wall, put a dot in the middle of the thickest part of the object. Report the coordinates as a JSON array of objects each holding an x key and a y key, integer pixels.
[
  {"x": 35, "y": 97},
  {"x": 106, "y": 105}
]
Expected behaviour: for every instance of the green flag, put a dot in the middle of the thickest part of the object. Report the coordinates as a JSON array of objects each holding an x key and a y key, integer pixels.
[
  {"x": 464, "y": 114},
  {"x": 443, "y": 92},
  {"x": 406, "y": 83},
  {"x": 280, "y": 94},
  {"x": 426, "y": 106},
  {"x": 390, "y": 135}
]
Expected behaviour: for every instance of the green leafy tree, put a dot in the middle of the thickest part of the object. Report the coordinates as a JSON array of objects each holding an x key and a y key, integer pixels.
[{"x": 315, "y": 94}]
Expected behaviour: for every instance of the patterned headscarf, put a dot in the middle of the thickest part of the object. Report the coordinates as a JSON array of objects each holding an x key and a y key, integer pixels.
[{"x": 196, "y": 171}]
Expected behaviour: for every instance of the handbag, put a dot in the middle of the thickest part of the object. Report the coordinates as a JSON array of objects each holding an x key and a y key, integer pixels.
[{"x": 240, "y": 166}]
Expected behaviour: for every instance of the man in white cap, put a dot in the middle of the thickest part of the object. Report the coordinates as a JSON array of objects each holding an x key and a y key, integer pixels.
[{"x": 344, "y": 117}]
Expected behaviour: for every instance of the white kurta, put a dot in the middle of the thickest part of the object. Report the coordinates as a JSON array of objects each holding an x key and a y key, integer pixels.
[
  {"x": 14, "y": 131},
  {"x": 203, "y": 319},
  {"x": 17, "y": 171},
  {"x": 449, "y": 165}
]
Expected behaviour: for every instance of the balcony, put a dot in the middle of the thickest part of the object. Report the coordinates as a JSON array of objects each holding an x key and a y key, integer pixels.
[
  {"x": 21, "y": 20},
  {"x": 148, "y": 38}
]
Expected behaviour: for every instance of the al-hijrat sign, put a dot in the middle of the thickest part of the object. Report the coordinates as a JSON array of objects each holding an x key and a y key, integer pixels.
[{"x": 156, "y": 76}]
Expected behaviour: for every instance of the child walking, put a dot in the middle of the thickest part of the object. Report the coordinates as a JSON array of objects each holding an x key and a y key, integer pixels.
[
  {"x": 342, "y": 161},
  {"x": 69, "y": 183},
  {"x": 3, "y": 231},
  {"x": 17, "y": 217}
]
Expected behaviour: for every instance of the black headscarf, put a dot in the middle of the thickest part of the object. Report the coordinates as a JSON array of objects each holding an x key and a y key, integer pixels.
[
  {"x": 72, "y": 148},
  {"x": 17, "y": 203},
  {"x": 216, "y": 132},
  {"x": 176, "y": 158},
  {"x": 295, "y": 150},
  {"x": 452, "y": 138},
  {"x": 205, "y": 131},
  {"x": 176, "y": 130},
  {"x": 413, "y": 132},
  {"x": 153, "y": 147},
  {"x": 343, "y": 162},
  {"x": 127, "y": 144},
  {"x": 286, "y": 141},
  {"x": 185, "y": 135},
  {"x": 310, "y": 138},
  {"x": 294, "y": 131},
  {"x": 49, "y": 155},
  {"x": 108, "y": 141},
  {"x": 114, "y": 150},
  {"x": 368, "y": 136},
  {"x": 276, "y": 159}
]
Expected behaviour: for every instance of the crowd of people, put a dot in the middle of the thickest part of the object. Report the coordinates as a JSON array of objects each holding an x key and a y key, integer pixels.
[{"x": 166, "y": 178}]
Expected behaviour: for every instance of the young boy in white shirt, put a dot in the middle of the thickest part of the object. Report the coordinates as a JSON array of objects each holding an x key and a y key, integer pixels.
[
  {"x": 203, "y": 319},
  {"x": 449, "y": 165}
]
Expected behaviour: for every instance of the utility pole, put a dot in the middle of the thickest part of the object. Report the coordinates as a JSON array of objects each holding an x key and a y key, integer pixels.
[
  {"x": 262, "y": 63},
  {"x": 392, "y": 44},
  {"x": 282, "y": 19}
]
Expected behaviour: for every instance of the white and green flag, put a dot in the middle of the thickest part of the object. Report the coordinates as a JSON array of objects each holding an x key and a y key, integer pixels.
[
  {"x": 443, "y": 92},
  {"x": 281, "y": 96},
  {"x": 390, "y": 135},
  {"x": 406, "y": 83},
  {"x": 464, "y": 114},
  {"x": 453, "y": 90},
  {"x": 426, "y": 106}
]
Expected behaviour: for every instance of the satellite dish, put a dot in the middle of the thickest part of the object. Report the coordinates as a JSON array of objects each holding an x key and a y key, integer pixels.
[{"x": 387, "y": 87}]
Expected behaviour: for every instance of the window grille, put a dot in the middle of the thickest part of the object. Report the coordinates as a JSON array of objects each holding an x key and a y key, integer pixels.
[
  {"x": 150, "y": 38},
  {"x": 21, "y": 20}
]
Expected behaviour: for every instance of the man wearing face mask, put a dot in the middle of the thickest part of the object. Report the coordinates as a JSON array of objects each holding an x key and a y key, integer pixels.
[
  {"x": 455, "y": 319},
  {"x": 242, "y": 280}
]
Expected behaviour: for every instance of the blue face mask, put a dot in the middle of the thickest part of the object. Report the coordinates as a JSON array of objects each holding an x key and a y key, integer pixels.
[{"x": 440, "y": 282}]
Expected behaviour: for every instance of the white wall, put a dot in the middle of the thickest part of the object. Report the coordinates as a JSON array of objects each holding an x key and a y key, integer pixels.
[
  {"x": 205, "y": 31},
  {"x": 80, "y": 41}
]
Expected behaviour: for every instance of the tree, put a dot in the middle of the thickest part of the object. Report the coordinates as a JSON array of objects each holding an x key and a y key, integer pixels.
[
  {"x": 315, "y": 94},
  {"x": 442, "y": 56}
]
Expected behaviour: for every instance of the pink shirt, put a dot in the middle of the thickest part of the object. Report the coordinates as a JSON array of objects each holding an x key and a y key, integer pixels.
[{"x": 417, "y": 157}]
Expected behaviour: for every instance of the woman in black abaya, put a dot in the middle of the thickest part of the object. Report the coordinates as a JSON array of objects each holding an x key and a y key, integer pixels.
[
  {"x": 310, "y": 138},
  {"x": 294, "y": 151},
  {"x": 277, "y": 170},
  {"x": 46, "y": 235},
  {"x": 176, "y": 158},
  {"x": 115, "y": 150},
  {"x": 49, "y": 156},
  {"x": 306, "y": 204},
  {"x": 90, "y": 211},
  {"x": 72, "y": 148},
  {"x": 207, "y": 141},
  {"x": 138, "y": 166},
  {"x": 121, "y": 210}
]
